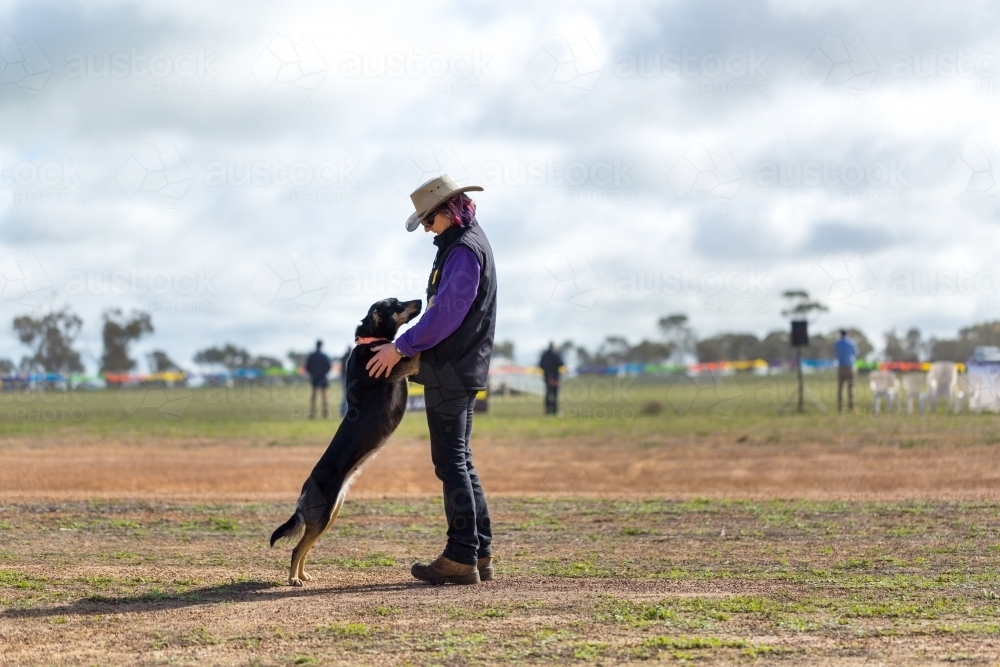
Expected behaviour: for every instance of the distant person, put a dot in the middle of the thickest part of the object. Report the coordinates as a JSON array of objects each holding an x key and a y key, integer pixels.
[
  {"x": 318, "y": 365},
  {"x": 847, "y": 353},
  {"x": 551, "y": 364},
  {"x": 343, "y": 381}
]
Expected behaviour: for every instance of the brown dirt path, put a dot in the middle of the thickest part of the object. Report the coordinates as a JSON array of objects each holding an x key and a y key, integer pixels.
[{"x": 232, "y": 469}]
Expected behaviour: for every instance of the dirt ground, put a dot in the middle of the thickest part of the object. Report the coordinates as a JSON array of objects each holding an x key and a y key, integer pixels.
[
  {"x": 729, "y": 548},
  {"x": 580, "y": 581},
  {"x": 733, "y": 465}
]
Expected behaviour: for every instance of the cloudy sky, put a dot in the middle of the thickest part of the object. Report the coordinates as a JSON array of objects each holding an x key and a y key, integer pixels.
[{"x": 241, "y": 170}]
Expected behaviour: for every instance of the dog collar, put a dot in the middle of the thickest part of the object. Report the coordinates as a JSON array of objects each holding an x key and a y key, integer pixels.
[{"x": 368, "y": 340}]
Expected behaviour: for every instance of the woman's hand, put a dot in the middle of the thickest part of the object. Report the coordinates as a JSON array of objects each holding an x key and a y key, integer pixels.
[{"x": 385, "y": 359}]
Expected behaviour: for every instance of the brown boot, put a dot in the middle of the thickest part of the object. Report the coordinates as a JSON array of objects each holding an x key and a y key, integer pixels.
[
  {"x": 485, "y": 567},
  {"x": 445, "y": 571}
]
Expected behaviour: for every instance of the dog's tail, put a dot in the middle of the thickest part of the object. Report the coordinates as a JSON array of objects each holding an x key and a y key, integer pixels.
[{"x": 290, "y": 528}]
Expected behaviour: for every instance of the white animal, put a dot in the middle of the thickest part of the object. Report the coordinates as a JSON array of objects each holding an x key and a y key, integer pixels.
[
  {"x": 884, "y": 384},
  {"x": 982, "y": 390},
  {"x": 914, "y": 388},
  {"x": 943, "y": 382}
]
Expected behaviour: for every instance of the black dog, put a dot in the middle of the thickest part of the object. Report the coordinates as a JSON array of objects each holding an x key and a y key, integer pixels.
[{"x": 375, "y": 408}]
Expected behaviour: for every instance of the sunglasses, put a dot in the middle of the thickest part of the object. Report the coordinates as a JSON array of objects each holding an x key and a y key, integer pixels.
[{"x": 428, "y": 220}]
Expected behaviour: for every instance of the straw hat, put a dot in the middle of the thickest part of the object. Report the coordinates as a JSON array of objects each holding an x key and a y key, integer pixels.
[{"x": 432, "y": 194}]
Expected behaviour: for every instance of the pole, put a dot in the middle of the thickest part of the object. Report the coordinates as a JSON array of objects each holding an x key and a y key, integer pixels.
[{"x": 798, "y": 365}]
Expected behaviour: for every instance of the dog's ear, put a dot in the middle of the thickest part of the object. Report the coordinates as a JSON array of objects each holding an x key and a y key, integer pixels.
[{"x": 376, "y": 319}]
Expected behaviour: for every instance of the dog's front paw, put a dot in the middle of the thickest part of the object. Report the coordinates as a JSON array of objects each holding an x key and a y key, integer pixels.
[
  {"x": 306, "y": 576},
  {"x": 294, "y": 581}
]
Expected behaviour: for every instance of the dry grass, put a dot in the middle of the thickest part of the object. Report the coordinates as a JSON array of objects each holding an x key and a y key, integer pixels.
[{"x": 580, "y": 581}]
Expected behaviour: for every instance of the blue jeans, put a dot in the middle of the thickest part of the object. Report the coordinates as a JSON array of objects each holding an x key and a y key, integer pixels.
[{"x": 449, "y": 418}]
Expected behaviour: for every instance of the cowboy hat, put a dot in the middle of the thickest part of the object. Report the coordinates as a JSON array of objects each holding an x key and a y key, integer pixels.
[{"x": 432, "y": 194}]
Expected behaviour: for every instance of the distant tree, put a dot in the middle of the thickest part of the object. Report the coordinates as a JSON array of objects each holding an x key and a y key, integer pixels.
[
  {"x": 729, "y": 347},
  {"x": 118, "y": 333},
  {"x": 230, "y": 356},
  {"x": 50, "y": 339},
  {"x": 801, "y": 306},
  {"x": 236, "y": 358},
  {"x": 909, "y": 348},
  {"x": 776, "y": 346},
  {"x": 298, "y": 359},
  {"x": 264, "y": 363},
  {"x": 678, "y": 334},
  {"x": 860, "y": 339},
  {"x": 159, "y": 362},
  {"x": 968, "y": 339},
  {"x": 566, "y": 347},
  {"x": 648, "y": 352},
  {"x": 6, "y": 367},
  {"x": 821, "y": 345},
  {"x": 504, "y": 349},
  {"x": 616, "y": 350}
]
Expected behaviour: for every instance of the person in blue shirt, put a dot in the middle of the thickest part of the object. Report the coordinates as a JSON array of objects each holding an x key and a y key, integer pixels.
[{"x": 846, "y": 351}]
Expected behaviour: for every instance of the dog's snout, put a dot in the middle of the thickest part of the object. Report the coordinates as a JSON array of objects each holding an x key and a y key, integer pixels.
[{"x": 412, "y": 309}]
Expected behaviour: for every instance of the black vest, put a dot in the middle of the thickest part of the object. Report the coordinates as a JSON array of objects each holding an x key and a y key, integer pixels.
[{"x": 461, "y": 362}]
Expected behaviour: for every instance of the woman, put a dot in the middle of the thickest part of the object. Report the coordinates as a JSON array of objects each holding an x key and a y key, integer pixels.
[{"x": 455, "y": 339}]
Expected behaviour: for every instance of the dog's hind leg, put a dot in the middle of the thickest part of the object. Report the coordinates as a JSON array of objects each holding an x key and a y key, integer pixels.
[
  {"x": 314, "y": 508},
  {"x": 295, "y": 574},
  {"x": 301, "y": 573}
]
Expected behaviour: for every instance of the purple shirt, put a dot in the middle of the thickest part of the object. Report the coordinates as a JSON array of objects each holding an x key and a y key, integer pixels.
[{"x": 456, "y": 292}]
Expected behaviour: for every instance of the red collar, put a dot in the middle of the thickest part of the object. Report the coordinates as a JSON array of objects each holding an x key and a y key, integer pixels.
[{"x": 367, "y": 340}]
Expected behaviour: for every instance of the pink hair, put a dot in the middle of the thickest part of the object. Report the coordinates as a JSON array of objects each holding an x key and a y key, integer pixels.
[{"x": 460, "y": 209}]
